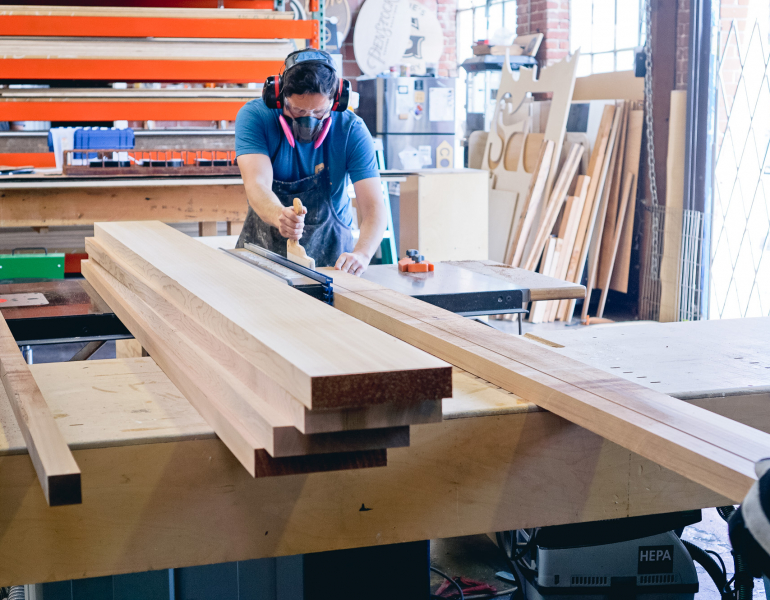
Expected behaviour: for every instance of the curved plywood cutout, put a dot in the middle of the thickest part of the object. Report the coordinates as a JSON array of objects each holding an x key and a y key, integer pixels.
[
  {"x": 532, "y": 151},
  {"x": 513, "y": 150},
  {"x": 513, "y": 114},
  {"x": 495, "y": 146}
]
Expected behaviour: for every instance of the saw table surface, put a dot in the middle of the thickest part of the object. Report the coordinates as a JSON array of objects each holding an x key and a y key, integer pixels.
[{"x": 160, "y": 490}]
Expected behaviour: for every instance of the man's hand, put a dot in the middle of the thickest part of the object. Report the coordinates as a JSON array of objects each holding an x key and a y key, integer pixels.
[
  {"x": 290, "y": 224},
  {"x": 352, "y": 262}
]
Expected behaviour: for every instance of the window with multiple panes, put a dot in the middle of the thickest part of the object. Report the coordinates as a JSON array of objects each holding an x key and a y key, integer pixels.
[
  {"x": 477, "y": 20},
  {"x": 606, "y": 31}
]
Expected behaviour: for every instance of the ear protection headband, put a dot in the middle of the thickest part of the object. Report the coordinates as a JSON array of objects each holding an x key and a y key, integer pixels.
[{"x": 272, "y": 91}]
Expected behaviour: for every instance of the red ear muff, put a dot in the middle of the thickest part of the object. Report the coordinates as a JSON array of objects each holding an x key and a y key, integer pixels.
[
  {"x": 343, "y": 96},
  {"x": 271, "y": 92},
  {"x": 277, "y": 91}
]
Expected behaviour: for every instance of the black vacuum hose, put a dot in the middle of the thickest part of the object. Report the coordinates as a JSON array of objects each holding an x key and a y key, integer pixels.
[{"x": 705, "y": 560}]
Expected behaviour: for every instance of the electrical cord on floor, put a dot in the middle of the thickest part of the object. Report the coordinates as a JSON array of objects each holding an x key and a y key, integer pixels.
[
  {"x": 744, "y": 582},
  {"x": 475, "y": 596},
  {"x": 518, "y": 593},
  {"x": 718, "y": 576},
  {"x": 450, "y": 580}
]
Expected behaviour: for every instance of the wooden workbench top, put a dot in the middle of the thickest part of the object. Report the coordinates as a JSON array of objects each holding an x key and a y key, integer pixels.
[
  {"x": 120, "y": 402},
  {"x": 499, "y": 465}
]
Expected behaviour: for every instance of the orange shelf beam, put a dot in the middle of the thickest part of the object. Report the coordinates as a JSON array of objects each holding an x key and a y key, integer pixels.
[
  {"x": 105, "y": 26},
  {"x": 204, "y": 71},
  {"x": 166, "y": 110},
  {"x": 248, "y": 4},
  {"x": 22, "y": 159}
]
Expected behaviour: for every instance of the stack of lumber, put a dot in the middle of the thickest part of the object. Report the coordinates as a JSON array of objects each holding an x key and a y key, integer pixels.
[
  {"x": 289, "y": 384},
  {"x": 586, "y": 223},
  {"x": 705, "y": 447},
  {"x": 142, "y": 49}
]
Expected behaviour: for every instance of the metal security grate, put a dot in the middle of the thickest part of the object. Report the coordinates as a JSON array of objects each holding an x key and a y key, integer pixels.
[{"x": 740, "y": 247}]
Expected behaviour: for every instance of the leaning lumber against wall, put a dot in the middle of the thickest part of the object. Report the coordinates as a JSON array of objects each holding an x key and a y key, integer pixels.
[
  {"x": 56, "y": 469},
  {"x": 321, "y": 357},
  {"x": 708, "y": 449}
]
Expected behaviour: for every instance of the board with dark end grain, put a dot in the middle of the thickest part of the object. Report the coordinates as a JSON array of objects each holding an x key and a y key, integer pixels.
[
  {"x": 320, "y": 356},
  {"x": 248, "y": 431},
  {"x": 267, "y": 466},
  {"x": 55, "y": 466}
]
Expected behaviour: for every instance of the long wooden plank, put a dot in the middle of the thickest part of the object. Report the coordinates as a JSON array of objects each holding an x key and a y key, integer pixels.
[
  {"x": 615, "y": 198},
  {"x": 626, "y": 199},
  {"x": 704, "y": 447},
  {"x": 555, "y": 202},
  {"x": 291, "y": 409},
  {"x": 596, "y": 208},
  {"x": 631, "y": 165},
  {"x": 55, "y": 466},
  {"x": 569, "y": 234},
  {"x": 321, "y": 357},
  {"x": 239, "y": 416},
  {"x": 531, "y": 205},
  {"x": 594, "y": 172},
  {"x": 597, "y": 226},
  {"x": 670, "y": 262}
]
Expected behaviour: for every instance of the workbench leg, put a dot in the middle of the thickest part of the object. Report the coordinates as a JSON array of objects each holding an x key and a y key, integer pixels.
[
  {"x": 207, "y": 228},
  {"x": 376, "y": 573},
  {"x": 129, "y": 349},
  {"x": 234, "y": 227}
]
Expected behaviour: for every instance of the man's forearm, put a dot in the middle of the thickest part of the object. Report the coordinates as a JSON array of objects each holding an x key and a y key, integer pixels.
[
  {"x": 264, "y": 202},
  {"x": 371, "y": 232}
]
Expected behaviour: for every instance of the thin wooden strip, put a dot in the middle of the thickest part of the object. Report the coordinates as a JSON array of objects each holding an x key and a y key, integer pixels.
[
  {"x": 597, "y": 225},
  {"x": 531, "y": 204},
  {"x": 627, "y": 191},
  {"x": 703, "y": 462},
  {"x": 744, "y": 441},
  {"x": 321, "y": 357},
  {"x": 55, "y": 466},
  {"x": 594, "y": 172},
  {"x": 569, "y": 234},
  {"x": 555, "y": 203},
  {"x": 291, "y": 409},
  {"x": 620, "y": 273},
  {"x": 238, "y": 415},
  {"x": 615, "y": 198},
  {"x": 536, "y": 308},
  {"x": 595, "y": 209}
]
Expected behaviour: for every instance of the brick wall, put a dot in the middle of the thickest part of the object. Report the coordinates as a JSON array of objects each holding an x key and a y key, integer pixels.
[
  {"x": 446, "y": 12},
  {"x": 551, "y": 18}
]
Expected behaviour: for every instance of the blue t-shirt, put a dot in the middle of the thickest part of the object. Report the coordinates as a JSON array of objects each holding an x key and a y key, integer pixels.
[{"x": 350, "y": 150}]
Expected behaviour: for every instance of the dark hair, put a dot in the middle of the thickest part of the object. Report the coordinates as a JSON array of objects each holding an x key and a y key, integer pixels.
[{"x": 310, "y": 78}]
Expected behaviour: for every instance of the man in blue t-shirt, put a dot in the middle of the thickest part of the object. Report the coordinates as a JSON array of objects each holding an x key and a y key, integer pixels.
[{"x": 298, "y": 141}]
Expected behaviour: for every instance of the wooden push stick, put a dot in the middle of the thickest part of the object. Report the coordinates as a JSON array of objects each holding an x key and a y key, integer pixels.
[
  {"x": 54, "y": 464},
  {"x": 294, "y": 251}
]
